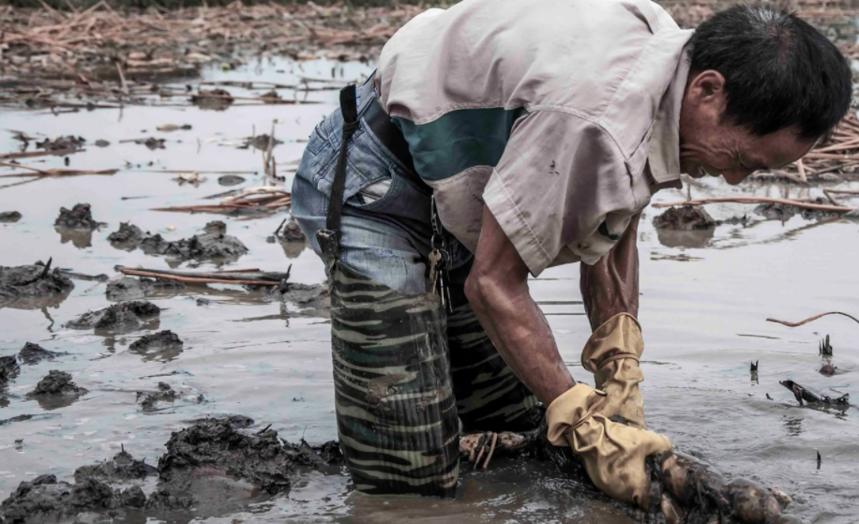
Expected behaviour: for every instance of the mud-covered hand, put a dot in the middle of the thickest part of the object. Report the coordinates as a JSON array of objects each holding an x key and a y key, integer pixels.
[
  {"x": 614, "y": 454},
  {"x": 610, "y": 286}
]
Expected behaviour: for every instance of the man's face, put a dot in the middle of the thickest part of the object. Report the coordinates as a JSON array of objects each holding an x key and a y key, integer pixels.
[{"x": 711, "y": 144}]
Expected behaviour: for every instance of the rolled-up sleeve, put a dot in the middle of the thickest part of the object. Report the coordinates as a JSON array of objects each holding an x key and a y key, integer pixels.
[{"x": 561, "y": 185}]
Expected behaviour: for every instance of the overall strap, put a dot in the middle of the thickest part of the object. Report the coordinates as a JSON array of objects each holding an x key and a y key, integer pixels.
[{"x": 329, "y": 238}]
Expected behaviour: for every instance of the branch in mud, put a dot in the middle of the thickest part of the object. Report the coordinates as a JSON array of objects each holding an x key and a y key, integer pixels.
[
  {"x": 811, "y": 319},
  {"x": 257, "y": 200},
  {"x": 247, "y": 277},
  {"x": 758, "y": 200}
]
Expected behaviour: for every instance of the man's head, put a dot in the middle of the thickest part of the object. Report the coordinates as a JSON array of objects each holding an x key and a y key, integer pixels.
[{"x": 763, "y": 88}]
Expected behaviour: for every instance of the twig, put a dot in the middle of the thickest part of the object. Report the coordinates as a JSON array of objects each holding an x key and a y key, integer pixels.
[
  {"x": 195, "y": 280},
  {"x": 124, "y": 86},
  {"x": 810, "y": 319},
  {"x": 30, "y": 154},
  {"x": 758, "y": 200}
]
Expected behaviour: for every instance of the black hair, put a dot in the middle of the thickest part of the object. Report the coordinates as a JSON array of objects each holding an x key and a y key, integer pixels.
[{"x": 779, "y": 71}]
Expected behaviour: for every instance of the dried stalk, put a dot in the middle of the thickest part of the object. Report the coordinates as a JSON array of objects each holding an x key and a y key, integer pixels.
[
  {"x": 811, "y": 319},
  {"x": 758, "y": 200}
]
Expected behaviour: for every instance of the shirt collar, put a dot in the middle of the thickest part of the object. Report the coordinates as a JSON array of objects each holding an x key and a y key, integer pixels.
[{"x": 664, "y": 156}]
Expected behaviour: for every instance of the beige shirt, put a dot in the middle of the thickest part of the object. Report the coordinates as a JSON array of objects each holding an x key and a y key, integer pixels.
[{"x": 547, "y": 111}]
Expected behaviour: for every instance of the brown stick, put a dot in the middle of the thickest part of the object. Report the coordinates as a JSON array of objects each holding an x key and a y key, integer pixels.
[
  {"x": 30, "y": 154},
  {"x": 757, "y": 200},
  {"x": 810, "y": 319},
  {"x": 194, "y": 280}
]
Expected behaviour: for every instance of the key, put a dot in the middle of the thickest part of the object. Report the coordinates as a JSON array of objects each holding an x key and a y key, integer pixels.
[{"x": 435, "y": 256}]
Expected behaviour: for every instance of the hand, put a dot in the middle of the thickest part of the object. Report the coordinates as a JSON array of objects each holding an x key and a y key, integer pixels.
[{"x": 610, "y": 286}]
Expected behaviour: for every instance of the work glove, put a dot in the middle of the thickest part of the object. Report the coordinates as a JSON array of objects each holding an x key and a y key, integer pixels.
[
  {"x": 612, "y": 354},
  {"x": 613, "y": 453}
]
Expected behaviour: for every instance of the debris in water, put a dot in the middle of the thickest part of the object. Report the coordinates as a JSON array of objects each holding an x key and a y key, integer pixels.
[
  {"x": 261, "y": 142},
  {"x": 57, "y": 383},
  {"x": 132, "y": 288},
  {"x": 216, "y": 99},
  {"x": 167, "y": 128},
  {"x": 208, "y": 246},
  {"x": 165, "y": 393},
  {"x": 252, "y": 277},
  {"x": 61, "y": 143},
  {"x": 819, "y": 459},
  {"x": 828, "y": 370},
  {"x": 230, "y": 180},
  {"x": 754, "y": 366},
  {"x": 195, "y": 179},
  {"x": 79, "y": 217},
  {"x": 126, "y": 237},
  {"x": 21, "y": 284},
  {"x": 259, "y": 200},
  {"x": 102, "y": 143},
  {"x": 125, "y": 316},
  {"x": 217, "y": 227},
  {"x": 290, "y": 231},
  {"x": 814, "y": 396},
  {"x": 101, "y": 277},
  {"x": 10, "y": 216},
  {"x": 34, "y": 353},
  {"x": 685, "y": 218},
  {"x": 825, "y": 348}
]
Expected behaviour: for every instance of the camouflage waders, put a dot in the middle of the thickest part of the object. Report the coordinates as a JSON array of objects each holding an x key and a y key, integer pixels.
[{"x": 407, "y": 367}]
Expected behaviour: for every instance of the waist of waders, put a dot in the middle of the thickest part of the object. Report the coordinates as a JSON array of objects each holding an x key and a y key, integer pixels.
[{"x": 389, "y": 135}]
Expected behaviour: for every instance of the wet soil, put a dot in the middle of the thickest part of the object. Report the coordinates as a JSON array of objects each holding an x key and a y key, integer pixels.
[
  {"x": 684, "y": 218},
  {"x": 25, "y": 286},
  {"x": 214, "y": 244},
  {"x": 164, "y": 345},
  {"x": 123, "y": 317},
  {"x": 57, "y": 383},
  {"x": 130, "y": 288}
]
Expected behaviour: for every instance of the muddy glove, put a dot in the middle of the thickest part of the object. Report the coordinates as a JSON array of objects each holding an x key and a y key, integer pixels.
[
  {"x": 612, "y": 354},
  {"x": 613, "y": 453}
]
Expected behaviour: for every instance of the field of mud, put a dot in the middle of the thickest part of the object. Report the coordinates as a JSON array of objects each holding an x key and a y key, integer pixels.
[{"x": 131, "y": 399}]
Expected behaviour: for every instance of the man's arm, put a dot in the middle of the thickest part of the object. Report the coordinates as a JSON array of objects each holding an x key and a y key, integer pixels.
[
  {"x": 610, "y": 286},
  {"x": 497, "y": 289}
]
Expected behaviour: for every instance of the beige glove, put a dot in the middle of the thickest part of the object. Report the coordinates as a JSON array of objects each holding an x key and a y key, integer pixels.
[
  {"x": 613, "y": 453},
  {"x": 612, "y": 354}
]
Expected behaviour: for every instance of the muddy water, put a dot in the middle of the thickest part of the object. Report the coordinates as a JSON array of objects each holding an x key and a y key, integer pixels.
[{"x": 705, "y": 298}]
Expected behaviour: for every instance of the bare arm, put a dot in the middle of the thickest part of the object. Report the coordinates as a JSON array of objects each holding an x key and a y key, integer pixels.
[
  {"x": 497, "y": 289},
  {"x": 610, "y": 286}
]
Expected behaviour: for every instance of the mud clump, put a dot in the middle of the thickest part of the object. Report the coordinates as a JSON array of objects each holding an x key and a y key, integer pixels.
[
  {"x": 164, "y": 344},
  {"x": 217, "y": 446},
  {"x": 79, "y": 217},
  {"x": 126, "y": 237},
  {"x": 126, "y": 316},
  {"x": 165, "y": 393},
  {"x": 10, "y": 216},
  {"x": 57, "y": 383},
  {"x": 61, "y": 143},
  {"x": 9, "y": 370},
  {"x": 230, "y": 180},
  {"x": 122, "y": 467},
  {"x": 34, "y": 353},
  {"x": 684, "y": 218},
  {"x": 312, "y": 299},
  {"x": 45, "y": 500},
  {"x": 129, "y": 288},
  {"x": 215, "y": 227},
  {"x": 38, "y": 281}
]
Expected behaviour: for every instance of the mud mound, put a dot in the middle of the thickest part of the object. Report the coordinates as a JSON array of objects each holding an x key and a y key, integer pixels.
[
  {"x": 217, "y": 445},
  {"x": 45, "y": 500},
  {"x": 79, "y": 217},
  {"x": 9, "y": 369},
  {"x": 61, "y": 143},
  {"x": 216, "y": 99},
  {"x": 215, "y": 227},
  {"x": 32, "y": 282},
  {"x": 34, "y": 353},
  {"x": 126, "y": 316},
  {"x": 57, "y": 383},
  {"x": 129, "y": 288},
  {"x": 122, "y": 467},
  {"x": 684, "y": 218},
  {"x": 161, "y": 341},
  {"x": 165, "y": 393},
  {"x": 208, "y": 246},
  {"x": 10, "y": 216},
  {"x": 126, "y": 237}
]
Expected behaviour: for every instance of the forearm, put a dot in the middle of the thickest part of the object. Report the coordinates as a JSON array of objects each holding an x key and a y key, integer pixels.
[{"x": 521, "y": 335}]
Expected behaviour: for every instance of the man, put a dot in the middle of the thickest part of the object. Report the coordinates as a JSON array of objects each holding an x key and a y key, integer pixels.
[{"x": 539, "y": 130}]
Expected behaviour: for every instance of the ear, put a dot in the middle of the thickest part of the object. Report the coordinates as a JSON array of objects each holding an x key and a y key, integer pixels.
[{"x": 707, "y": 87}]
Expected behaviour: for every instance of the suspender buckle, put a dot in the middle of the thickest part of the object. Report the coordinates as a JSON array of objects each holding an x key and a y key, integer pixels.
[{"x": 329, "y": 243}]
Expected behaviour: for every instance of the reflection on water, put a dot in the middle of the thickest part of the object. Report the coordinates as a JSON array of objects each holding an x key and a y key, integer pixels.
[{"x": 249, "y": 354}]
